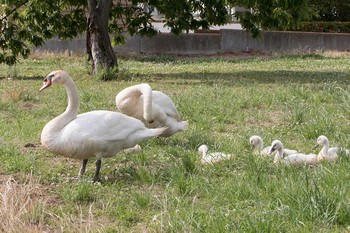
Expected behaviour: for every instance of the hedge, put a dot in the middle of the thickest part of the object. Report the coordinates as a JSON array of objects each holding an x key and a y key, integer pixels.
[{"x": 335, "y": 27}]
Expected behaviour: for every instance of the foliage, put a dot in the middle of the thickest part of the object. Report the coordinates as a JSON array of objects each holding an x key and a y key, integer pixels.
[
  {"x": 332, "y": 10},
  {"x": 26, "y": 23},
  {"x": 339, "y": 27},
  {"x": 271, "y": 14},
  {"x": 184, "y": 15}
]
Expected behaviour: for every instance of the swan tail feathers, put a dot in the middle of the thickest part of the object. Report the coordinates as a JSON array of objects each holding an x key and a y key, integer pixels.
[
  {"x": 184, "y": 126},
  {"x": 158, "y": 131}
]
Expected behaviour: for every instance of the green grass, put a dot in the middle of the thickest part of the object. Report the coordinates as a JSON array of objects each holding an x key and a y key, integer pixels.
[{"x": 291, "y": 97}]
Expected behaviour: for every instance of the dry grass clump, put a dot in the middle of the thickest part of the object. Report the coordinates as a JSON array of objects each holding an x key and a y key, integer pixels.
[
  {"x": 334, "y": 53},
  {"x": 22, "y": 206},
  {"x": 25, "y": 205},
  {"x": 12, "y": 96}
]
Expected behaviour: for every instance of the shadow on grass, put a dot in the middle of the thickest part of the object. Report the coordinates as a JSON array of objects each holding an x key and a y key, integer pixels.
[
  {"x": 240, "y": 77},
  {"x": 279, "y": 76},
  {"x": 235, "y": 57},
  {"x": 36, "y": 77}
]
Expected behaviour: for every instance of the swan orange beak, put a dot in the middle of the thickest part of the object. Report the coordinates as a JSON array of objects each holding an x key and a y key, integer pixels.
[{"x": 47, "y": 83}]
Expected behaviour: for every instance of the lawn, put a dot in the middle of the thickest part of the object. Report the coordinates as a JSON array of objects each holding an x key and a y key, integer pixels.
[{"x": 291, "y": 97}]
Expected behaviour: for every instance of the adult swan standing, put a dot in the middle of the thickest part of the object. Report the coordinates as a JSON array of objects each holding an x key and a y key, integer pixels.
[
  {"x": 100, "y": 134},
  {"x": 154, "y": 108}
]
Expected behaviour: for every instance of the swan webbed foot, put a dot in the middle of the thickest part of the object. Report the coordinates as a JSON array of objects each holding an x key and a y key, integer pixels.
[
  {"x": 82, "y": 169},
  {"x": 98, "y": 168}
]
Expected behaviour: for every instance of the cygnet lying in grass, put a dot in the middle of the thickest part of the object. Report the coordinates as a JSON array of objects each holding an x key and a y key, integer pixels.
[
  {"x": 257, "y": 144},
  {"x": 294, "y": 159},
  {"x": 329, "y": 154},
  {"x": 210, "y": 158}
]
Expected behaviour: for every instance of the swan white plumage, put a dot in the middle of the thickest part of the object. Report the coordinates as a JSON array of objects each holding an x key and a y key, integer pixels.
[
  {"x": 257, "y": 144},
  {"x": 330, "y": 154},
  {"x": 99, "y": 134},
  {"x": 294, "y": 159},
  {"x": 210, "y": 158},
  {"x": 154, "y": 108}
]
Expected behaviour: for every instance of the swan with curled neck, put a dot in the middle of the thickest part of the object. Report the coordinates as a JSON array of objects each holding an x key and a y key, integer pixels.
[
  {"x": 213, "y": 157},
  {"x": 329, "y": 154},
  {"x": 99, "y": 134},
  {"x": 154, "y": 108},
  {"x": 294, "y": 159},
  {"x": 257, "y": 144}
]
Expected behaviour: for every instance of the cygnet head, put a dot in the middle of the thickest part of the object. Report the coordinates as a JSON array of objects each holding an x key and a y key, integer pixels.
[
  {"x": 57, "y": 76},
  {"x": 203, "y": 149},
  {"x": 256, "y": 142},
  {"x": 276, "y": 146},
  {"x": 321, "y": 140}
]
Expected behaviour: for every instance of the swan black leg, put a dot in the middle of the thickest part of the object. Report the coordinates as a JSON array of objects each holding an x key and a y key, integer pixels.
[
  {"x": 98, "y": 168},
  {"x": 82, "y": 169}
]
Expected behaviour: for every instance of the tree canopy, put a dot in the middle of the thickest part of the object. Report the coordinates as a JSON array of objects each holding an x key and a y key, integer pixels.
[
  {"x": 332, "y": 10},
  {"x": 27, "y": 23}
]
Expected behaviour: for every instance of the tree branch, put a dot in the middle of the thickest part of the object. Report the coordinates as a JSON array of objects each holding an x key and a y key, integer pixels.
[{"x": 14, "y": 9}]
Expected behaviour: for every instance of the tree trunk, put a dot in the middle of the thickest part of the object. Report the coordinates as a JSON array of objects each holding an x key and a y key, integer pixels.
[{"x": 98, "y": 43}]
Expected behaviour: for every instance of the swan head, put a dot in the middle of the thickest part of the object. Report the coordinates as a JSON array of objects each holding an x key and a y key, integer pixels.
[
  {"x": 256, "y": 142},
  {"x": 321, "y": 140},
  {"x": 203, "y": 149},
  {"x": 275, "y": 146},
  {"x": 57, "y": 76}
]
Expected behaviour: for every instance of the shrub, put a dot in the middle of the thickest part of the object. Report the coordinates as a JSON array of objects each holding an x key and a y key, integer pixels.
[{"x": 337, "y": 27}]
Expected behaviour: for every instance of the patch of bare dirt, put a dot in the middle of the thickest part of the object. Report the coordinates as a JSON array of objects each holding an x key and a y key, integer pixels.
[
  {"x": 30, "y": 147},
  {"x": 28, "y": 106}
]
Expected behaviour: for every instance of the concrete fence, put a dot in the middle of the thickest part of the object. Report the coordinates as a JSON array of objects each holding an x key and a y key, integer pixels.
[{"x": 222, "y": 41}]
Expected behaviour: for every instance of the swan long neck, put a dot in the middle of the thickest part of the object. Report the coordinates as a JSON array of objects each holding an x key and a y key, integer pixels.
[
  {"x": 71, "y": 111},
  {"x": 278, "y": 155},
  {"x": 146, "y": 91},
  {"x": 325, "y": 148}
]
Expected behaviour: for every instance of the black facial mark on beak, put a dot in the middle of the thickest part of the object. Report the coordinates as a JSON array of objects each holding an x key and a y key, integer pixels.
[{"x": 47, "y": 82}]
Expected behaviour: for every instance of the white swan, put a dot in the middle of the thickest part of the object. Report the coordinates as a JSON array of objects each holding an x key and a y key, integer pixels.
[
  {"x": 99, "y": 134},
  {"x": 212, "y": 157},
  {"x": 257, "y": 144},
  {"x": 330, "y": 154},
  {"x": 294, "y": 159},
  {"x": 154, "y": 108}
]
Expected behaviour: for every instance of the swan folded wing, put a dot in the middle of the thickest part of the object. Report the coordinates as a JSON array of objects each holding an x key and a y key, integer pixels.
[
  {"x": 166, "y": 104},
  {"x": 332, "y": 154},
  {"x": 333, "y": 151},
  {"x": 215, "y": 157},
  {"x": 289, "y": 152},
  {"x": 102, "y": 125},
  {"x": 301, "y": 159}
]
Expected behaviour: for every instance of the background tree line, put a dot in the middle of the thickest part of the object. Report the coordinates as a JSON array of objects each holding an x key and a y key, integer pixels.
[{"x": 27, "y": 23}]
